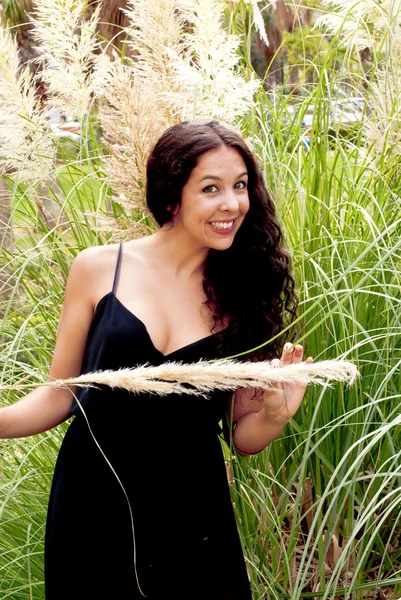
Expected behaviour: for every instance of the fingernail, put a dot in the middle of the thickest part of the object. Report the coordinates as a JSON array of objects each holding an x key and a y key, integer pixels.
[{"x": 287, "y": 346}]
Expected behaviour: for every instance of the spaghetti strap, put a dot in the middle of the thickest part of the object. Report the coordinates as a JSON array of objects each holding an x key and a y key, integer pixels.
[{"x": 117, "y": 271}]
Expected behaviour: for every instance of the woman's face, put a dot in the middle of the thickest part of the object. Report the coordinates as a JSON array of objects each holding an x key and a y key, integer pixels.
[{"x": 214, "y": 200}]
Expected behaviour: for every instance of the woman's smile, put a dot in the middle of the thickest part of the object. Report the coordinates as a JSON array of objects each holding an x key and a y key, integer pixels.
[{"x": 222, "y": 227}]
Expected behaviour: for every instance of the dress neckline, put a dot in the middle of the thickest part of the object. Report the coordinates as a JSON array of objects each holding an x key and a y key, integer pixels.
[{"x": 138, "y": 320}]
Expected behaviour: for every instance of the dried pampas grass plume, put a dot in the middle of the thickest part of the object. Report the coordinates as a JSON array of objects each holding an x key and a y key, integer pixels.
[
  {"x": 132, "y": 111},
  {"x": 257, "y": 17},
  {"x": 67, "y": 43},
  {"x": 156, "y": 27},
  {"x": 131, "y": 126},
  {"x": 174, "y": 377},
  {"x": 208, "y": 67},
  {"x": 259, "y": 22},
  {"x": 26, "y": 144}
]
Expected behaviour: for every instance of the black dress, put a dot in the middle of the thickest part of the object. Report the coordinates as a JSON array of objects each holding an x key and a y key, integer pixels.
[{"x": 145, "y": 510}]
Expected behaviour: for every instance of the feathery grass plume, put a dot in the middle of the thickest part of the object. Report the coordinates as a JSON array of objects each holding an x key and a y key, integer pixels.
[
  {"x": 383, "y": 128},
  {"x": 26, "y": 144},
  {"x": 131, "y": 124},
  {"x": 67, "y": 42},
  {"x": 373, "y": 25},
  {"x": 227, "y": 374},
  {"x": 259, "y": 22},
  {"x": 354, "y": 20},
  {"x": 156, "y": 29},
  {"x": 132, "y": 108},
  {"x": 207, "y": 67}
]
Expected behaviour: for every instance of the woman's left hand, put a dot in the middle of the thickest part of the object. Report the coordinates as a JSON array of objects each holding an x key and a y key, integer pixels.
[{"x": 282, "y": 404}]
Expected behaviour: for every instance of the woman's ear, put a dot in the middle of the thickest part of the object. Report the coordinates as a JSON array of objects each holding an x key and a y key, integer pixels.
[{"x": 175, "y": 211}]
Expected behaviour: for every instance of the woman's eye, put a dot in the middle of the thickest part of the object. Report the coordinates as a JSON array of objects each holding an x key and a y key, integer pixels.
[{"x": 213, "y": 186}]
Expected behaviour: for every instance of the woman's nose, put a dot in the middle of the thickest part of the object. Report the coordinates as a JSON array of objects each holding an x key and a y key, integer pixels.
[{"x": 230, "y": 202}]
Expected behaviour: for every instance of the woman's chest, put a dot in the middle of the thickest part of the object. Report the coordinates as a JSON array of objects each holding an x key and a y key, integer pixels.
[{"x": 174, "y": 315}]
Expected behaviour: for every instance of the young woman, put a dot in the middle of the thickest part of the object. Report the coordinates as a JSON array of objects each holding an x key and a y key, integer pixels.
[{"x": 140, "y": 504}]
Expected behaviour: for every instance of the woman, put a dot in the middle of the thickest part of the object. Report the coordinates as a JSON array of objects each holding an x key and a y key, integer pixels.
[{"x": 140, "y": 504}]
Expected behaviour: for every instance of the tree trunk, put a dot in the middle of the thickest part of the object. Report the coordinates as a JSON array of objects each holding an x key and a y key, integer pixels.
[
  {"x": 111, "y": 21},
  {"x": 283, "y": 19}
]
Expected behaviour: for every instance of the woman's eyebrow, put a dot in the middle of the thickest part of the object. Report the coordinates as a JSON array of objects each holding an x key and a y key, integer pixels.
[{"x": 219, "y": 178}]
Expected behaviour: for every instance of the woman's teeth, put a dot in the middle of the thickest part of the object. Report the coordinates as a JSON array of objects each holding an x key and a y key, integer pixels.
[{"x": 219, "y": 225}]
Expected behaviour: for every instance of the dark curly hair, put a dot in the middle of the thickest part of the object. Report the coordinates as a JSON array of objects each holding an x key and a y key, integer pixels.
[{"x": 250, "y": 282}]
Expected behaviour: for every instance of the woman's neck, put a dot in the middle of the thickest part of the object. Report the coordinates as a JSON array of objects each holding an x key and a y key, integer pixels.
[{"x": 177, "y": 253}]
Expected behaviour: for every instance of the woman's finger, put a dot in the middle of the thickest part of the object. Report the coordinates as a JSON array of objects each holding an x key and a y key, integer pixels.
[
  {"x": 298, "y": 354},
  {"x": 286, "y": 357}
]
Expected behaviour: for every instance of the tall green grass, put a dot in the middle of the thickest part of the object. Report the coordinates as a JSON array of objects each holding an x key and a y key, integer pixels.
[{"x": 319, "y": 510}]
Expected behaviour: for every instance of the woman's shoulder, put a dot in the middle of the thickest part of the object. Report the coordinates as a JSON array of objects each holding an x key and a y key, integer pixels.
[
  {"x": 97, "y": 265},
  {"x": 94, "y": 253},
  {"x": 95, "y": 256}
]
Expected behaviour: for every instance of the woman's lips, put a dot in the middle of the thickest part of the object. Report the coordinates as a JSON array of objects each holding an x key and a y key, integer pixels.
[{"x": 223, "y": 231}]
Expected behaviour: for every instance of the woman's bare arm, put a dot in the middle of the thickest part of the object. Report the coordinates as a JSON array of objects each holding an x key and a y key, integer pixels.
[
  {"x": 255, "y": 430},
  {"x": 261, "y": 415},
  {"x": 46, "y": 407},
  {"x": 252, "y": 429}
]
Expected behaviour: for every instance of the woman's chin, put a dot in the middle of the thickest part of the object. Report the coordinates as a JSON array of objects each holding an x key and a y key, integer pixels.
[{"x": 222, "y": 244}]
